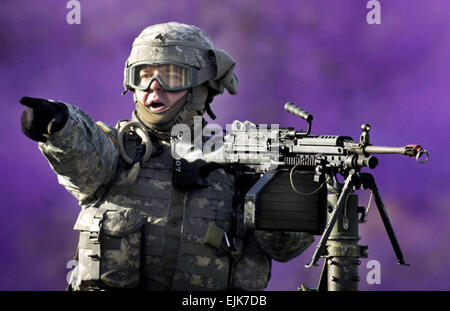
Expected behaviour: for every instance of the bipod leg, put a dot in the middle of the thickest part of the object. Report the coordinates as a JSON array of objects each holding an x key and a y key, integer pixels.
[
  {"x": 368, "y": 182},
  {"x": 346, "y": 190},
  {"x": 323, "y": 281}
]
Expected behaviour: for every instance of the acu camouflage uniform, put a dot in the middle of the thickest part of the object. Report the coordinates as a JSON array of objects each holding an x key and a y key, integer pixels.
[{"x": 144, "y": 233}]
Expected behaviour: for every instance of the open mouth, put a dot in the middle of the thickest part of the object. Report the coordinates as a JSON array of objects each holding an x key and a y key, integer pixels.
[{"x": 157, "y": 107}]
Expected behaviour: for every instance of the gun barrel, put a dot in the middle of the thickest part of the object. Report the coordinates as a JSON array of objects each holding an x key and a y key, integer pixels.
[
  {"x": 409, "y": 150},
  {"x": 384, "y": 149}
]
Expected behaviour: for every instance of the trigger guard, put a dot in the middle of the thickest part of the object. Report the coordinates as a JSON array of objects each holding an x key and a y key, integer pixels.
[{"x": 141, "y": 131}]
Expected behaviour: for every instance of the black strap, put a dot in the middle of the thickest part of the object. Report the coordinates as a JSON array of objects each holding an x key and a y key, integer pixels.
[{"x": 208, "y": 109}]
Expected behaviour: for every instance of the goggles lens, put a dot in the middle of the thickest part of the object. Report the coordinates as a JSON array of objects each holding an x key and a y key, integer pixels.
[{"x": 171, "y": 77}]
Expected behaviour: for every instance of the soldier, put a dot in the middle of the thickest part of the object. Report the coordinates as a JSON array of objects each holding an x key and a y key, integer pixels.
[{"x": 136, "y": 229}]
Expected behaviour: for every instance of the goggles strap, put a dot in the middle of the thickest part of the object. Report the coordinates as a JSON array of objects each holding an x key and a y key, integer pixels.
[{"x": 206, "y": 73}]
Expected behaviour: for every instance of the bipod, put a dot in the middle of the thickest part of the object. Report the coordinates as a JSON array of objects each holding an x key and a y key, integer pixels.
[
  {"x": 339, "y": 242},
  {"x": 368, "y": 182}
]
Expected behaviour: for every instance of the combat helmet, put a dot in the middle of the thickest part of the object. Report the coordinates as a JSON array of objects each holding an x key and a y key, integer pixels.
[{"x": 190, "y": 51}]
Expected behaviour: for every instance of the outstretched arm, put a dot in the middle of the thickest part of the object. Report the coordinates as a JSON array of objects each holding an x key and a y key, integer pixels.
[{"x": 78, "y": 150}]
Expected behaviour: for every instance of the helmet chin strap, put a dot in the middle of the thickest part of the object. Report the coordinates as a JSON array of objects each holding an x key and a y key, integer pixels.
[{"x": 194, "y": 104}]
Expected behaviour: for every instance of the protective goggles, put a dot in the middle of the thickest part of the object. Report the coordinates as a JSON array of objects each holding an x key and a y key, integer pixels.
[{"x": 172, "y": 77}]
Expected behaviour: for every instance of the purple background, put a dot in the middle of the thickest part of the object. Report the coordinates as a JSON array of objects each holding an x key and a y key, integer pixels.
[{"x": 321, "y": 55}]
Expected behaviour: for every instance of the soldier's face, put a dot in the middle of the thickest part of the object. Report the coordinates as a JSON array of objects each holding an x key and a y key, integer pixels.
[{"x": 156, "y": 99}]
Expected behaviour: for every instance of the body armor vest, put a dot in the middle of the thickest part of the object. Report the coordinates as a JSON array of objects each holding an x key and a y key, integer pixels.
[{"x": 147, "y": 234}]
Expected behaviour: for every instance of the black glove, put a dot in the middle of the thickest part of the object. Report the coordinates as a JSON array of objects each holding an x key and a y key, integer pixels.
[{"x": 42, "y": 117}]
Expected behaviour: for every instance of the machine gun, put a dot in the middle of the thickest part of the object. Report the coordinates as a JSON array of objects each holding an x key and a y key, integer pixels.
[{"x": 298, "y": 188}]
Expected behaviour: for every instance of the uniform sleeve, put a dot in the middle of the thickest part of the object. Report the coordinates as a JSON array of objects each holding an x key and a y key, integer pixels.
[
  {"x": 283, "y": 246},
  {"x": 82, "y": 155}
]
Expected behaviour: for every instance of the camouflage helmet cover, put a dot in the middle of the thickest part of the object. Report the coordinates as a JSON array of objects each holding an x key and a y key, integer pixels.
[
  {"x": 183, "y": 44},
  {"x": 171, "y": 43}
]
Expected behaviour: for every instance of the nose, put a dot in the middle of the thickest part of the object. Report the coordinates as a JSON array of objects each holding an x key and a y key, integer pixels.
[{"x": 155, "y": 86}]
